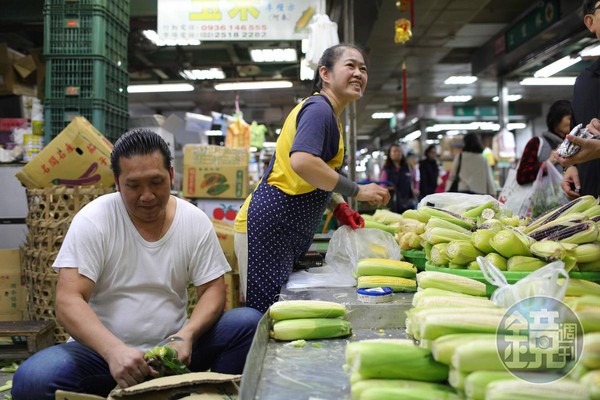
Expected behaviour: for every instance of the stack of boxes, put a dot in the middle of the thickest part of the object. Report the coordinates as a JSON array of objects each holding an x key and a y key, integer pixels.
[{"x": 85, "y": 46}]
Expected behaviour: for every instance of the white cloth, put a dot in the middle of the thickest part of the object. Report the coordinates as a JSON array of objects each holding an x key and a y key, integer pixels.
[
  {"x": 140, "y": 291},
  {"x": 240, "y": 246},
  {"x": 323, "y": 34},
  {"x": 475, "y": 174}
]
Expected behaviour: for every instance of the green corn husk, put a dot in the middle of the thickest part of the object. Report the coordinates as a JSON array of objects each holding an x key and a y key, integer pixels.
[
  {"x": 579, "y": 287},
  {"x": 427, "y": 248},
  {"x": 524, "y": 263},
  {"x": 387, "y": 217},
  {"x": 481, "y": 240},
  {"x": 592, "y": 266},
  {"x": 436, "y": 325},
  {"x": 293, "y": 309},
  {"x": 416, "y": 214},
  {"x": 310, "y": 328},
  {"x": 477, "y": 382},
  {"x": 498, "y": 261},
  {"x": 513, "y": 220},
  {"x": 448, "y": 216},
  {"x": 475, "y": 212},
  {"x": 435, "y": 222},
  {"x": 584, "y": 232},
  {"x": 443, "y": 348},
  {"x": 492, "y": 224},
  {"x": 592, "y": 381},
  {"x": 442, "y": 235},
  {"x": 574, "y": 206},
  {"x": 462, "y": 252},
  {"x": 451, "y": 282},
  {"x": 439, "y": 254},
  {"x": 586, "y": 252},
  {"x": 521, "y": 390},
  {"x": 359, "y": 387},
  {"x": 435, "y": 292},
  {"x": 587, "y": 309},
  {"x": 456, "y": 379},
  {"x": 393, "y": 359},
  {"x": 164, "y": 359},
  {"x": 380, "y": 226},
  {"x": 508, "y": 243},
  {"x": 407, "y": 394},
  {"x": 548, "y": 250},
  {"x": 480, "y": 354},
  {"x": 474, "y": 266},
  {"x": 452, "y": 301},
  {"x": 590, "y": 354}
]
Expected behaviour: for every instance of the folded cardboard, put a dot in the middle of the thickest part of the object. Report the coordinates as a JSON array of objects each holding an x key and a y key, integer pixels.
[
  {"x": 225, "y": 234},
  {"x": 13, "y": 293},
  {"x": 214, "y": 172},
  {"x": 17, "y": 72},
  {"x": 78, "y": 156}
]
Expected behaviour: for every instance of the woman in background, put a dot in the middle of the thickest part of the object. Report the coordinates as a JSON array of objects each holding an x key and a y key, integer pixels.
[
  {"x": 398, "y": 173},
  {"x": 471, "y": 170},
  {"x": 428, "y": 172}
]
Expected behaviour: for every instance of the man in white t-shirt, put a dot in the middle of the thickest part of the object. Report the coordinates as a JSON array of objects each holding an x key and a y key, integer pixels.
[{"x": 124, "y": 268}]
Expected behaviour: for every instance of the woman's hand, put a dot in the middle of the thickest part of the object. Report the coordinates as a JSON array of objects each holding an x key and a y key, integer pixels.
[
  {"x": 590, "y": 150},
  {"x": 570, "y": 181},
  {"x": 374, "y": 194}
]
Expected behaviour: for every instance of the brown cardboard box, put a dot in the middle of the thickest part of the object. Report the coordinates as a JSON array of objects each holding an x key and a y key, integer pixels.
[
  {"x": 17, "y": 72},
  {"x": 232, "y": 290},
  {"x": 13, "y": 294},
  {"x": 225, "y": 234},
  {"x": 79, "y": 155},
  {"x": 201, "y": 385},
  {"x": 215, "y": 172}
]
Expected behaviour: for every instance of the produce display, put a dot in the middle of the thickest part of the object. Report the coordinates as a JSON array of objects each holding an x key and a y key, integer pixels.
[{"x": 379, "y": 272}]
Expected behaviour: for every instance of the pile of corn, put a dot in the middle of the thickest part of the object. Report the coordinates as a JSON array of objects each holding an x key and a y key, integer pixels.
[
  {"x": 405, "y": 227},
  {"x": 308, "y": 319},
  {"x": 380, "y": 272},
  {"x": 569, "y": 233}
]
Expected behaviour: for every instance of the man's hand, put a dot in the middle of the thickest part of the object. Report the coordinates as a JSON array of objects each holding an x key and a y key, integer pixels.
[
  {"x": 374, "y": 194},
  {"x": 184, "y": 349},
  {"x": 590, "y": 150},
  {"x": 128, "y": 366},
  {"x": 348, "y": 216},
  {"x": 570, "y": 181}
]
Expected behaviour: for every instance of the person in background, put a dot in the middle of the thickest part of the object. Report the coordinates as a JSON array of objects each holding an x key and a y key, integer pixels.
[
  {"x": 278, "y": 221},
  {"x": 472, "y": 170},
  {"x": 558, "y": 121},
  {"x": 584, "y": 177},
  {"x": 398, "y": 173},
  {"x": 429, "y": 172},
  {"x": 123, "y": 272}
]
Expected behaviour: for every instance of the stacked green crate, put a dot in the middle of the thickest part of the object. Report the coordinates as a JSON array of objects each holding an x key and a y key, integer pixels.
[{"x": 85, "y": 45}]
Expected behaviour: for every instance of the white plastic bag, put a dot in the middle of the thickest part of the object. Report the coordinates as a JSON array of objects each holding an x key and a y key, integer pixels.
[
  {"x": 457, "y": 202},
  {"x": 325, "y": 276},
  {"x": 542, "y": 282},
  {"x": 347, "y": 246},
  {"x": 516, "y": 197}
]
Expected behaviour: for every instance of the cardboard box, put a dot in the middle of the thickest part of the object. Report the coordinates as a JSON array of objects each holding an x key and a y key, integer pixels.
[
  {"x": 13, "y": 293},
  {"x": 225, "y": 210},
  {"x": 225, "y": 234},
  {"x": 232, "y": 290},
  {"x": 201, "y": 385},
  {"x": 215, "y": 172},
  {"x": 79, "y": 155},
  {"x": 17, "y": 72}
]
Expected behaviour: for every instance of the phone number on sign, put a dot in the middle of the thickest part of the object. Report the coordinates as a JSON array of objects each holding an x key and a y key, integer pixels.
[{"x": 235, "y": 35}]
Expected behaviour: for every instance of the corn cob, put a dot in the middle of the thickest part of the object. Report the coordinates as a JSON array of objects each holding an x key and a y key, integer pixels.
[
  {"x": 592, "y": 381},
  {"x": 385, "y": 267},
  {"x": 416, "y": 318},
  {"x": 310, "y": 328},
  {"x": 590, "y": 354},
  {"x": 578, "y": 205},
  {"x": 509, "y": 243},
  {"x": 586, "y": 252},
  {"x": 548, "y": 250},
  {"x": 476, "y": 212},
  {"x": 456, "y": 379},
  {"x": 416, "y": 214},
  {"x": 439, "y": 254},
  {"x": 395, "y": 283},
  {"x": 559, "y": 223},
  {"x": 387, "y": 217},
  {"x": 380, "y": 226},
  {"x": 570, "y": 262},
  {"x": 516, "y": 389},
  {"x": 592, "y": 266},
  {"x": 473, "y": 265},
  {"x": 513, "y": 220},
  {"x": 434, "y": 326},
  {"x": 368, "y": 217},
  {"x": 593, "y": 211},
  {"x": 480, "y": 354},
  {"x": 524, "y": 263},
  {"x": 492, "y": 224},
  {"x": 408, "y": 240},
  {"x": 498, "y": 261},
  {"x": 462, "y": 252},
  {"x": 293, "y": 309},
  {"x": 384, "y": 393},
  {"x": 435, "y": 222},
  {"x": 442, "y": 235},
  {"x": 393, "y": 359},
  {"x": 578, "y": 287},
  {"x": 434, "y": 292},
  {"x": 481, "y": 240},
  {"x": 476, "y": 382},
  {"x": 451, "y": 282},
  {"x": 587, "y": 309},
  {"x": 449, "y": 216},
  {"x": 444, "y": 347},
  {"x": 453, "y": 301},
  {"x": 358, "y": 388},
  {"x": 584, "y": 232},
  {"x": 426, "y": 248}
]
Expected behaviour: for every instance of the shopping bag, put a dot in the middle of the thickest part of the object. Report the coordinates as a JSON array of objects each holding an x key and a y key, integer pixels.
[
  {"x": 515, "y": 197},
  {"x": 547, "y": 192}
]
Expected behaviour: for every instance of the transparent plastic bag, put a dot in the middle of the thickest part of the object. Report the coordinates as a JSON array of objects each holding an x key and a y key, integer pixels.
[
  {"x": 547, "y": 192},
  {"x": 347, "y": 246},
  {"x": 325, "y": 276},
  {"x": 457, "y": 202},
  {"x": 542, "y": 282}
]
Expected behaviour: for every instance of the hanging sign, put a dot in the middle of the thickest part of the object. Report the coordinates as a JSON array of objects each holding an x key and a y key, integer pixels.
[{"x": 208, "y": 20}]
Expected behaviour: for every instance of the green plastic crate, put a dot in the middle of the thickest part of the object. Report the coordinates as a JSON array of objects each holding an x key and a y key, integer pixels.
[
  {"x": 84, "y": 33},
  {"x": 86, "y": 78},
  {"x": 416, "y": 257},
  {"x": 119, "y": 9},
  {"x": 110, "y": 121}
]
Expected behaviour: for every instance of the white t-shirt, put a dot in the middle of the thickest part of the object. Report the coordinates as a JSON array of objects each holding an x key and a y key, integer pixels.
[{"x": 140, "y": 291}]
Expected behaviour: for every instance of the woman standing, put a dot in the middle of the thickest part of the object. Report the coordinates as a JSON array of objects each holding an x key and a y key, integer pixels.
[
  {"x": 277, "y": 223},
  {"x": 428, "y": 172},
  {"x": 471, "y": 172},
  {"x": 538, "y": 149},
  {"x": 397, "y": 171}
]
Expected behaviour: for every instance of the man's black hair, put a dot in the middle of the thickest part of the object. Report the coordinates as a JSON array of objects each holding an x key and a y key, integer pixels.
[{"x": 138, "y": 142}]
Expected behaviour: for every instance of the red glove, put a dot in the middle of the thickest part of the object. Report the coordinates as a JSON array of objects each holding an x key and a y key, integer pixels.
[{"x": 348, "y": 216}]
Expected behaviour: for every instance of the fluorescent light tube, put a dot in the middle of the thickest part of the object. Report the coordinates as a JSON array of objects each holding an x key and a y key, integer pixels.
[
  {"x": 556, "y": 66},
  {"x": 460, "y": 80},
  {"x": 273, "y": 55},
  {"x": 411, "y": 136},
  {"x": 382, "y": 115},
  {"x": 457, "y": 99},
  {"x": 254, "y": 85},
  {"x": 564, "y": 81},
  {"x": 160, "y": 88},
  {"x": 511, "y": 97}
]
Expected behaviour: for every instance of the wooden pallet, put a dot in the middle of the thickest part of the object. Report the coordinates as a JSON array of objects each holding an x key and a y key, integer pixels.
[{"x": 28, "y": 337}]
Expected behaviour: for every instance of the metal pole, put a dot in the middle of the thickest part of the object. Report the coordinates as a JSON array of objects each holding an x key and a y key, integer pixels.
[
  {"x": 502, "y": 102},
  {"x": 351, "y": 109}
]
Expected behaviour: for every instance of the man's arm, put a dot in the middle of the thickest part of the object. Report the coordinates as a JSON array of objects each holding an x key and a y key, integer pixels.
[
  {"x": 211, "y": 302},
  {"x": 73, "y": 291}
]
